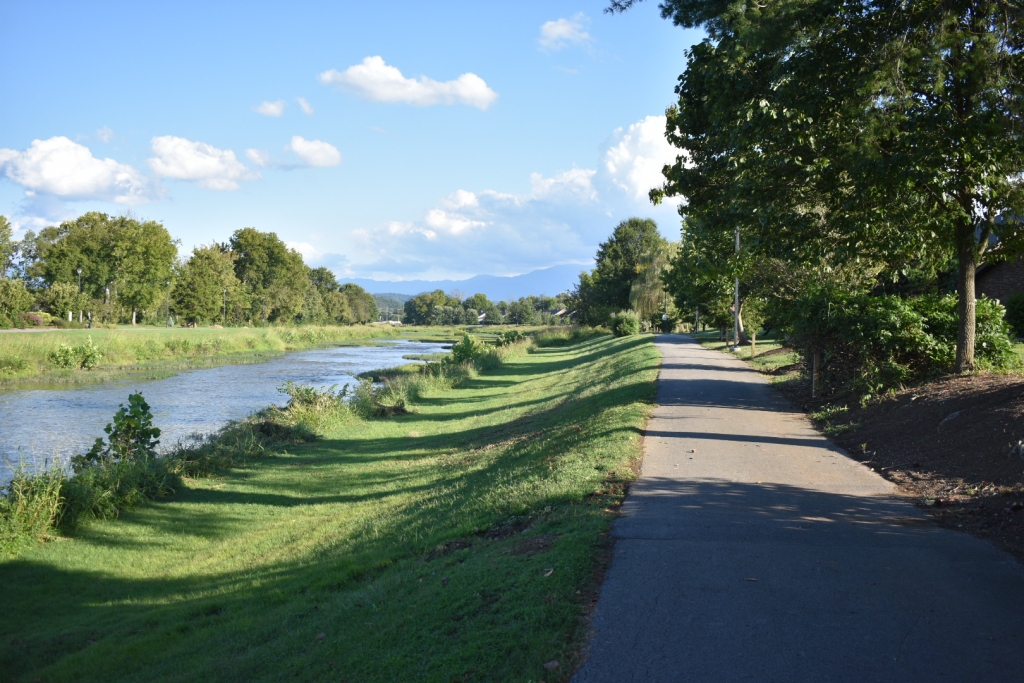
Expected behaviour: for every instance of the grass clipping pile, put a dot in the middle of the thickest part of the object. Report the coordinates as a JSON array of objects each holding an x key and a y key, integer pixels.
[{"x": 956, "y": 445}]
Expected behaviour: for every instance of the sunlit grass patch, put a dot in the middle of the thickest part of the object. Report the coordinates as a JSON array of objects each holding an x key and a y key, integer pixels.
[{"x": 458, "y": 540}]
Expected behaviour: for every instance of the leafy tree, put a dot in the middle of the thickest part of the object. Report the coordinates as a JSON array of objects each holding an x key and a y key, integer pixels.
[
  {"x": 144, "y": 255},
  {"x": 14, "y": 299},
  {"x": 274, "y": 275},
  {"x": 199, "y": 289},
  {"x": 477, "y": 301},
  {"x": 521, "y": 313},
  {"x": 323, "y": 279},
  {"x": 8, "y": 246},
  {"x": 885, "y": 133},
  {"x": 63, "y": 298},
  {"x": 418, "y": 309},
  {"x": 337, "y": 308},
  {"x": 131, "y": 258},
  {"x": 622, "y": 258},
  {"x": 361, "y": 303}
]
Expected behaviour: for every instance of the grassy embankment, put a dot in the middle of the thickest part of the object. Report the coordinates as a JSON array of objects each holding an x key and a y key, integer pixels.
[
  {"x": 459, "y": 541},
  {"x": 772, "y": 357},
  {"x": 150, "y": 353}
]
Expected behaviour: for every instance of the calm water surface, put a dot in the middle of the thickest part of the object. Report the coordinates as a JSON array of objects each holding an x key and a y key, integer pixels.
[{"x": 46, "y": 426}]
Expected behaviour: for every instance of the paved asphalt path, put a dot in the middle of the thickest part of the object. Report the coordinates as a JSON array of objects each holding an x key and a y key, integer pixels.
[{"x": 752, "y": 549}]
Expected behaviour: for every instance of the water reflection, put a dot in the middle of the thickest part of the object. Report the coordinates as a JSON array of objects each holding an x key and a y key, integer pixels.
[{"x": 51, "y": 425}]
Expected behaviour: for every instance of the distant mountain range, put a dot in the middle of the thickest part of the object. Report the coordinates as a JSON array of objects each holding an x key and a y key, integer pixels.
[{"x": 549, "y": 281}]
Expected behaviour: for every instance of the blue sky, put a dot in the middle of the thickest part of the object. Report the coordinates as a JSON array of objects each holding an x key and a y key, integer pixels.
[{"x": 432, "y": 140}]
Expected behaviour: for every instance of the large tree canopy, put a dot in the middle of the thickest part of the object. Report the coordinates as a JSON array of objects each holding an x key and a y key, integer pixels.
[
  {"x": 274, "y": 275},
  {"x": 880, "y": 132},
  {"x": 132, "y": 259}
]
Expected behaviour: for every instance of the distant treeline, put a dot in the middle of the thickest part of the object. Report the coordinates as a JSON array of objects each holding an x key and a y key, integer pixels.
[
  {"x": 113, "y": 269},
  {"x": 438, "y": 308}
]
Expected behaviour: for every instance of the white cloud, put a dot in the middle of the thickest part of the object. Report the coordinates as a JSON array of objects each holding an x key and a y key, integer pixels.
[
  {"x": 635, "y": 155},
  {"x": 450, "y": 222},
  {"x": 274, "y": 109},
  {"x": 315, "y": 152},
  {"x": 212, "y": 168},
  {"x": 66, "y": 169},
  {"x": 105, "y": 134},
  {"x": 308, "y": 251},
  {"x": 559, "y": 34},
  {"x": 574, "y": 184},
  {"x": 459, "y": 199},
  {"x": 378, "y": 82},
  {"x": 259, "y": 157},
  {"x": 306, "y": 107}
]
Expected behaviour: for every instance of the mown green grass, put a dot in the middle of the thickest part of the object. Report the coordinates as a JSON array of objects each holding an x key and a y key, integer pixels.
[
  {"x": 771, "y": 352},
  {"x": 460, "y": 541},
  {"x": 159, "y": 352}
]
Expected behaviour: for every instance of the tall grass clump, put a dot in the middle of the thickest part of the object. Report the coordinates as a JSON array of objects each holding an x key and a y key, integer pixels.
[
  {"x": 29, "y": 506},
  {"x": 565, "y": 335}
]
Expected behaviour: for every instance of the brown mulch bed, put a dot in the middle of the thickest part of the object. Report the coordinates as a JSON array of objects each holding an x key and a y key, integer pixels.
[{"x": 953, "y": 445}]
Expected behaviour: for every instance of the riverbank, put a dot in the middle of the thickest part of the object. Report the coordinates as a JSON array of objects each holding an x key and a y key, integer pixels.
[
  {"x": 55, "y": 359},
  {"x": 464, "y": 539}
]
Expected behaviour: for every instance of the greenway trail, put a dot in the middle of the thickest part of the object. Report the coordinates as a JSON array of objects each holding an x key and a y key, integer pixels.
[{"x": 751, "y": 549}]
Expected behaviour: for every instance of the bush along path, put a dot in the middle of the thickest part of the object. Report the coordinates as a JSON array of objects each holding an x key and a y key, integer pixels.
[
  {"x": 448, "y": 524},
  {"x": 750, "y": 548}
]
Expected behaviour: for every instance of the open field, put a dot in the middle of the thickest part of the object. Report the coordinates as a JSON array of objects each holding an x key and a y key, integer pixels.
[
  {"x": 464, "y": 540},
  {"x": 26, "y": 358}
]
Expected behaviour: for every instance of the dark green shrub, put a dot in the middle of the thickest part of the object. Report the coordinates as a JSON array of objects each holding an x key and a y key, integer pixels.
[
  {"x": 84, "y": 356},
  {"x": 871, "y": 343},
  {"x": 624, "y": 323},
  {"x": 468, "y": 350},
  {"x": 510, "y": 337},
  {"x": 131, "y": 436},
  {"x": 1015, "y": 313},
  {"x": 12, "y": 364}
]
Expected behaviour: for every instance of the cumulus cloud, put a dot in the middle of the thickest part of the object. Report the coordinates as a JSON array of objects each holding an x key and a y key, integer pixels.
[
  {"x": 574, "y": 184},
  {"x": 562, "y": 33},
  {"x": 274, "y": 109},
  {"x": 259, "y": 157},
  {"x": 212, "y": 168},
  {"x": 66, "y": 169},
  {"x": 315, "y": 152},
  {"x": 306, "y": 107},
  {"x": 308, "y": 251},
  {"x": 376, "y": 81},
  {"x": 105, "y": 134},
  {"x": 635, "y": 155}
]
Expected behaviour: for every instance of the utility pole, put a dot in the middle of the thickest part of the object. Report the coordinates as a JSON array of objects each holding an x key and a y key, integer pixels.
[{"x": 736, "y": 299}]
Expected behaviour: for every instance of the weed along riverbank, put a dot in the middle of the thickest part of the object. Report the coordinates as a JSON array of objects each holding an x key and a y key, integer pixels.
[{"x": 445, "y": 523}]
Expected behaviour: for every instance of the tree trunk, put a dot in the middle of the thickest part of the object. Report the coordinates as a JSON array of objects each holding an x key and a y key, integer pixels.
[
  {"x": 133, "y": 315},
  {"x": 967, "y": 256},
  {"x": 742, "y": 332}
]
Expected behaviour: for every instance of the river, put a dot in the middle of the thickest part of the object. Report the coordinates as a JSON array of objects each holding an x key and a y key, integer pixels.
[{"x": 42, "y": 427}]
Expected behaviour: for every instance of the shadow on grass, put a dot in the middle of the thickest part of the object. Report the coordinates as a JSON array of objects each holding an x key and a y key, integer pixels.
[{"x": 426, "y": 490}]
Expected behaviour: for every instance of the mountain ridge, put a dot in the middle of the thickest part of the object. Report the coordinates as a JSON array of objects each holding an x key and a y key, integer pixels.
[{"x": 549, "y": 281}]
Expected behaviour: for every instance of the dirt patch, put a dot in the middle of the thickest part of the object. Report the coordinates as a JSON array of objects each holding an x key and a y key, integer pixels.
[
  {"x": 953, "y": 445},
  {"x": 534, "y": 544},
  {"x": 447, "y": 549}
]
